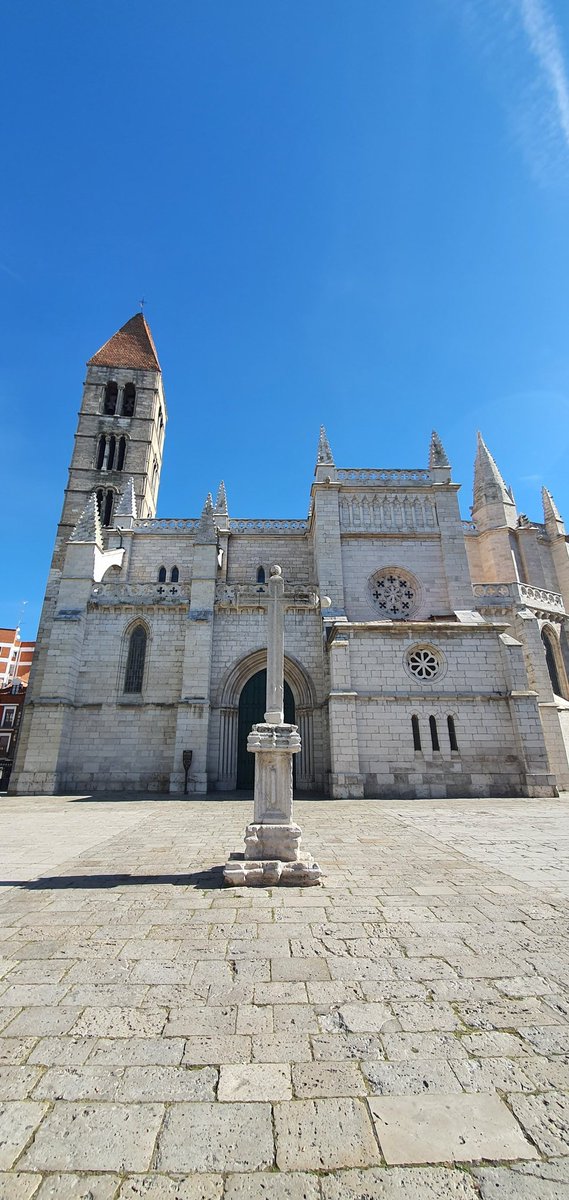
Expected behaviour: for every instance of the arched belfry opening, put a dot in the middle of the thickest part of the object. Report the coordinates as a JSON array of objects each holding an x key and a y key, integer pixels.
[
  {"x": 252, "y": 704},
  {"x": 241, "y": 702}
]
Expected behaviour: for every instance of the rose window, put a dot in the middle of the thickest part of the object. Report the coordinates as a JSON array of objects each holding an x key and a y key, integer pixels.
[
  {"x": 394, "y": 594},
  {"x": 423, "y": 662}
]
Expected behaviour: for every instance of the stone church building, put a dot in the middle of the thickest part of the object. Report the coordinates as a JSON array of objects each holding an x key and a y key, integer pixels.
[{"x": 426, "y": 656}]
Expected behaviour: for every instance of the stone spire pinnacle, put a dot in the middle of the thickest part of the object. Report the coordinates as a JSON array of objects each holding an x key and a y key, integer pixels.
[
  {"x": 554, "y": 522},
  {"x": 206, "y": 533},
  {"x": 126, "y": 505},
  {"x": 324, "y": 456},
  {"x": 221, "y": 501},
  {"x": 488, "y": 482},
  {"x": 437, "y": 454},
  {"x": 88, "y": 527}
]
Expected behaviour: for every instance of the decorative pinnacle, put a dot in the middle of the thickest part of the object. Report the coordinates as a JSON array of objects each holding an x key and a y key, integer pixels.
[
  {"x": 489, "y": 486},
  {"x": 551, "y": 514},
  {"x": 88, "y": 527},
  {"x": 221, "y": 501},
  {"x": 437, "y": 454},
  {"x": 126, "y": 506},
  {"x": 206, "y": 533},
  {"x": 324, "y": 456}
]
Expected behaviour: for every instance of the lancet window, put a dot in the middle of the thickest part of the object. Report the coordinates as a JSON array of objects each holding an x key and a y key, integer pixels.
[{"x": 135, "y": 660}]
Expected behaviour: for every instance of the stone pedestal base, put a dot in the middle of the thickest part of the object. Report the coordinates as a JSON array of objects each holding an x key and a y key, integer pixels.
[
  {"x": 272, "y": 840},
  {"x": 304, "y": 872}
]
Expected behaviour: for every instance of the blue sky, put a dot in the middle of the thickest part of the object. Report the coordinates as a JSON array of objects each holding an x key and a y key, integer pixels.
[{"x": 344, "y": 212}]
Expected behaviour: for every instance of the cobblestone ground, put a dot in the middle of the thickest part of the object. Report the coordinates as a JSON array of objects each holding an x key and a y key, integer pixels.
[{"x": 401, "y": 1032}]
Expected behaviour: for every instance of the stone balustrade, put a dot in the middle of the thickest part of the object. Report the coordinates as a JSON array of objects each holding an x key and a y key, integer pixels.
[
  {"x": 505, "y": 594},
  {"x": 384, "y": 476}
]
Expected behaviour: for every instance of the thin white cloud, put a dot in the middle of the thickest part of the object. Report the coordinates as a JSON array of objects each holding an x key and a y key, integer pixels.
[
  {"x": 545, "y": 44},
  {"x": 520, "y": 44}
]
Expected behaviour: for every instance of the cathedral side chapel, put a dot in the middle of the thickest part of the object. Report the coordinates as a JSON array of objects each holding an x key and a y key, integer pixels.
[{"x": 439, "y": 666}]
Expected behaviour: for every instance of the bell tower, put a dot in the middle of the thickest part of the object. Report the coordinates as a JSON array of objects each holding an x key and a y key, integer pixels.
[
  {"x": 120, "y": 432},
  {"x": 120, "y": 436}
]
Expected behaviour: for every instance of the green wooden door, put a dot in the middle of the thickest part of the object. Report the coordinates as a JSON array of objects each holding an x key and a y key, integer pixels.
[{"x": 252, "y": 703}]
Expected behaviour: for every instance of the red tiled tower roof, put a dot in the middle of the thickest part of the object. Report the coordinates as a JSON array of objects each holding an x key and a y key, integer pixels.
[{"x": 133, "y": 346}]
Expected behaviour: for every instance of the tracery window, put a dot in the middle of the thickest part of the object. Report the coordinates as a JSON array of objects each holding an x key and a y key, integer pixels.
[
  {"x": 135, "y": 660},
  {"x": 394, "y": 594},
  {"x": 423, "y": 662}
]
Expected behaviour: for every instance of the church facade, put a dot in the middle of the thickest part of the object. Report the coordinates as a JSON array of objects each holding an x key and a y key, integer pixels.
[{"x": 425, "y": 656}]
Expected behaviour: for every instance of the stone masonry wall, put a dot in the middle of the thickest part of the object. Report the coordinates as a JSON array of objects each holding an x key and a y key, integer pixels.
[{"x": 421, "y": 557}]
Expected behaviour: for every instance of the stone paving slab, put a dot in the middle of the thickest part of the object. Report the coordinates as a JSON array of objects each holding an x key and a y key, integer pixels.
[{"x": 164, "y": 1038}]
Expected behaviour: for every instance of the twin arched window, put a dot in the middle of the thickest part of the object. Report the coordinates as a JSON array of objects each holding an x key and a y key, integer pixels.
[
  {"x": 135, "y": 660},
  {"x": 111, "y": 399},
  {"x": 111, "y": 453},
  {"x": 174, "y": 575}
]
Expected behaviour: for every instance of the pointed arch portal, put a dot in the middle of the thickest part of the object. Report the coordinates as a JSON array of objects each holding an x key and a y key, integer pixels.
[
  {"x": 252, "y": 704},
  {"x": 241, "y": 704}
]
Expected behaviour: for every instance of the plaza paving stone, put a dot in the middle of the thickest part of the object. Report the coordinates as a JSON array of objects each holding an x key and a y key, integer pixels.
[{"x": 402, "y": 1031}]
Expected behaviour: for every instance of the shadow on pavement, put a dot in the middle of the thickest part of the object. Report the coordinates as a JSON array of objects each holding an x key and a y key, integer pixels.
[{"x": 211, "y": 878}]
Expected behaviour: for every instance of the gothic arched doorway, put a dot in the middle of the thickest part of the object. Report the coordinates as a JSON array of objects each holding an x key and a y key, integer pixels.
[{"x": 252, "y": 704}]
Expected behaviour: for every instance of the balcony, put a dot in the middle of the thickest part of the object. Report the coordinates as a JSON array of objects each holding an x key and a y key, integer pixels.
[{"x": 507, "y": 595}]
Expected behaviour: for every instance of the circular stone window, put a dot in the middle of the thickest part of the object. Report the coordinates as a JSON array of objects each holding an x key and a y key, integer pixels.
[
  {"x": 424, "y": 663},
  {"x": 394, "y": 594}
]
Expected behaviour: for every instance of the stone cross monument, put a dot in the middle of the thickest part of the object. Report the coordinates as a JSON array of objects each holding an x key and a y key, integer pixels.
[{"x": 272, "y": 841}]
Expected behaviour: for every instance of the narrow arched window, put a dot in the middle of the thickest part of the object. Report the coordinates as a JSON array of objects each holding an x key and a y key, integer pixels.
[
  {"x": 111, "y": 397},
  {"x": 111, "y": 454},
  {"x": 162, "y": 575},
  {"x": 128, "y": 400},
  {"x": 121, "y": 453},
  {"x": 101, "y": 453},
  {"x": 434, "y": 733},
  {"x": 100, "y": 499},
  {"x": 174, "y": 575},
  {"x": 550, "y": 659},
  {"x": 452, "y": 733},
  {"x": 261, "y": 575},
  {"x": 107, "y": 510},
  {"x": 416, "y": 733},
  {"x": 134, "y": 673}
]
